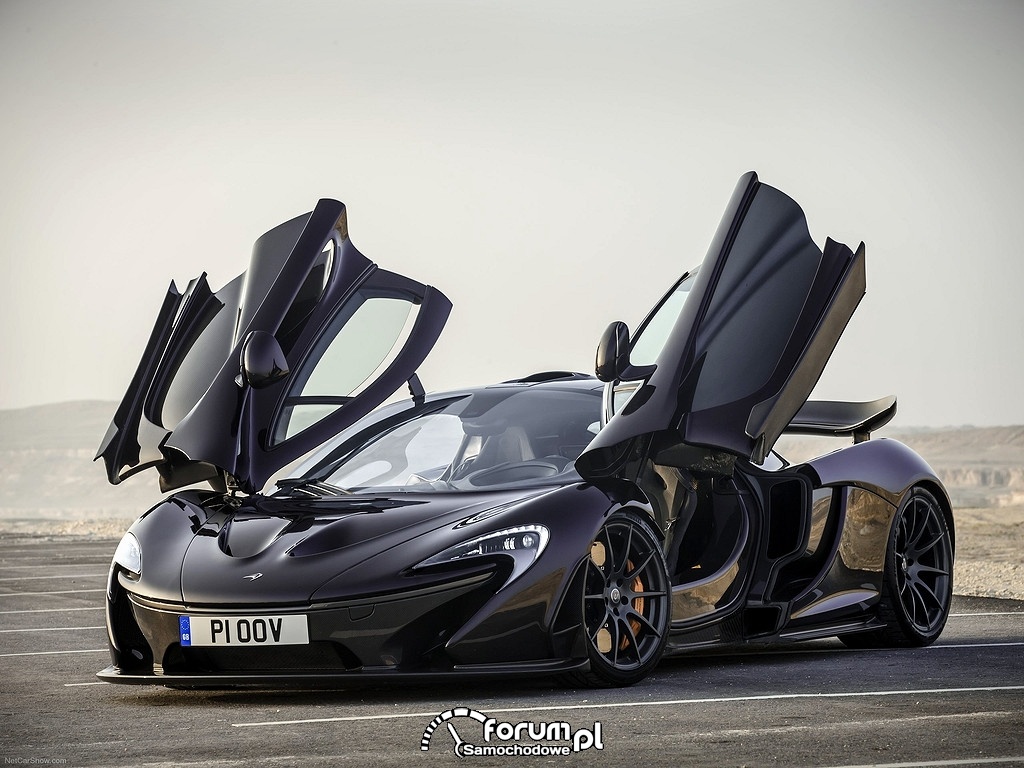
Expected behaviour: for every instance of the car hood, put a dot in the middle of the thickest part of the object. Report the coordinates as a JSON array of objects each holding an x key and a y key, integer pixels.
[
  {"x": 235, "y": 384},
  {"x": 279, "y": 551}
]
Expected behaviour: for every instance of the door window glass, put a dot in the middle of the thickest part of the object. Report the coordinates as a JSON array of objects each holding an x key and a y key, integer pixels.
[
  {"x": 651, "y": 337},
  {"x": 349, "y": 357}
]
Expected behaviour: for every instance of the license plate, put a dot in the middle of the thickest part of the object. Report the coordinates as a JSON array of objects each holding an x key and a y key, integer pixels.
[{"x": 243, "y": 630}]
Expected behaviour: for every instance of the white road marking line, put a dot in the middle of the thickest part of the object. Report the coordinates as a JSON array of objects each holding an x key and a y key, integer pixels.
[
  {"x": 55, "y": 576},
  {"x": 99, "y": 563},
  {"x": 47, "y": 565},
  {"x": 54, "y": 653},
  {"x": 78, "y": 685},
  {"x": 972, "y": 645},
  {"x": 62, "y": 550},
  {"x": 53, "y": 610},
  {"x": 987, "y": 613},
  {"x": 797, "y": 649},
  {"x": 841, "y": 724},
  {"x": 48, "y": 629},
  {"x": 63, "y": 547},
  {"x": 669, "y": 702},
  {"x": 929, "y": 763},
  {"x": 64, "y": 555},
  {"x": 59, "y": 592}
]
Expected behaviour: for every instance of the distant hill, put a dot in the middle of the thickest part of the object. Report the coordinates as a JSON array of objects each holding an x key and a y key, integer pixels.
[
  {"x": 47, "y": 471},
  {"x": 78, "y": 425},
  {"x": 980, "y": 466}
]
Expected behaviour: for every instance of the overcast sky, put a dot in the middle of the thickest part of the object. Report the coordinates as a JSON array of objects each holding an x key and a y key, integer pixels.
[{"x": 550, "y": 166}]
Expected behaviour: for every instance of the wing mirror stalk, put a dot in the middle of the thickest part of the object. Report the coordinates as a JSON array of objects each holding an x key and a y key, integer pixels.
[{"x": 612, "y": 362}]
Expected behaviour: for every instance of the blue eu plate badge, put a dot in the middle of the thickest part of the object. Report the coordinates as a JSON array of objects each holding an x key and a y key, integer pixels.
[{"x": 185, "y": 630}]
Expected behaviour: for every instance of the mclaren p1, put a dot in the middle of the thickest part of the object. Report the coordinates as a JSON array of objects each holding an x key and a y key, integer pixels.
[{"x": 559, "y": 524}]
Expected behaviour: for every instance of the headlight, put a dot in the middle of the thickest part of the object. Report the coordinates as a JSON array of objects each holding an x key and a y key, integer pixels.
[
  {"x": 129, "y": 554},
  {"x": 523, "y": 544}
]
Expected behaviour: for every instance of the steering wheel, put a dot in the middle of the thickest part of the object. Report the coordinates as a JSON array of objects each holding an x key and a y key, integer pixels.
[{"x": 515, "y": 471}]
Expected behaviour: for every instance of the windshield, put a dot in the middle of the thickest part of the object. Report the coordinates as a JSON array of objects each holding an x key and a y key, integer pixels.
[{"x": 496, "y": 438}]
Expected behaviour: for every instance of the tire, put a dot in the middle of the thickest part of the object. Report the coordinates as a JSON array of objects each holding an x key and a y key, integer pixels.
[
  {"x": 626, "y": 603},
  {"x": 917, "y": 587}
]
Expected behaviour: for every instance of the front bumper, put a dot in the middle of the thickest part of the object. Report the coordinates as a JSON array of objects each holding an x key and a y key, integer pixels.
[{"x": 379, "y": 637}]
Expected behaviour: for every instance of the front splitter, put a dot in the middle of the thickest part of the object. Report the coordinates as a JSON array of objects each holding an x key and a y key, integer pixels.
[{"x": 343, "y": 679}]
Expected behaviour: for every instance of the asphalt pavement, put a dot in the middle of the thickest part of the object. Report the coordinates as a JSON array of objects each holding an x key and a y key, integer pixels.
[{"x": 818, "y": 704}]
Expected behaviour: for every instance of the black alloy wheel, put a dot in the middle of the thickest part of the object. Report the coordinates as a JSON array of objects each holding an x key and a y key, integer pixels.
[
  {"x": 626, "y": 602},
  {"x": 918, "y": 584}
]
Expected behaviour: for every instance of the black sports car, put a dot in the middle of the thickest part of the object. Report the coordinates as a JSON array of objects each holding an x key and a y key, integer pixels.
[{"x": 554, "y": 524}]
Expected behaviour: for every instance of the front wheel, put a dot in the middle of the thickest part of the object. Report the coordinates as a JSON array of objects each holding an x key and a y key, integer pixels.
[
  {"x": 626, "y": 602},
  {"x": 918, "y": 584}
]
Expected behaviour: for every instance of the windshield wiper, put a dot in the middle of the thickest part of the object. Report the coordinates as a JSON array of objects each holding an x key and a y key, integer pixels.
[{"x": 311, "y": 487}]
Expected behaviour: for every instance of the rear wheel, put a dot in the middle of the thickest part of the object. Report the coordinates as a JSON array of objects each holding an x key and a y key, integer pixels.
[
  {"x": 918, "y": 584},
  {"x": 626, "y": 603}
]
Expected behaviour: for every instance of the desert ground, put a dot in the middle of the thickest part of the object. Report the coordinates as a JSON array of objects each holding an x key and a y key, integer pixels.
[{"x": 988, "y": 552}]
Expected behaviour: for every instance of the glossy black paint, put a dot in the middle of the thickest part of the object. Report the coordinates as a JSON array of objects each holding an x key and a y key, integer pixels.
[
  {"x": 263, "y": 360},
  {"x": 752, "y": 552},
  {"x": 193, "y": 427},
  {"x": 828, "y": 417},
  {"x": 613, "y": 353},
  {"x": 348, "y": 563},
  {"x": 762, "y": 318},
  {"x": 336, "y": 558}
]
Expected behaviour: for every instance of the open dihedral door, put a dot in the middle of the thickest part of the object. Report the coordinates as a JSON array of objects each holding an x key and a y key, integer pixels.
[
  {"x": 330, "y": 333},
  {"x": 749, "y": 342}
]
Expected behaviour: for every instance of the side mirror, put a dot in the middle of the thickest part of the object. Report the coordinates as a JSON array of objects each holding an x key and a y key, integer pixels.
[
  {"x": 263, "y": 362},
  {"x": 613, "y": 352}
]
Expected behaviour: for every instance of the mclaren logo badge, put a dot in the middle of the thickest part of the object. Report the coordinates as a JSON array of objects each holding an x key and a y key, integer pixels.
[{"x": 253, "y": 576}]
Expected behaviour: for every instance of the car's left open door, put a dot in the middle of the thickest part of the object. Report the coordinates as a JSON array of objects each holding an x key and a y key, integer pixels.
[{"x": 732, "y": 352}]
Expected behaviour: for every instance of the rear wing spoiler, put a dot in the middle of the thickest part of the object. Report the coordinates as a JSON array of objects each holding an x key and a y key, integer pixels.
[{"x": 838, "y": 419}]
